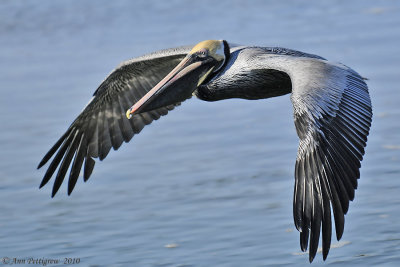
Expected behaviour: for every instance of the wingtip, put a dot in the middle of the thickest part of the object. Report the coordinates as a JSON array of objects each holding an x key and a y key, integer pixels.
[
  {"x": 304, "y": 240},
  {"x": 40, "y": 165},
  {"x": 55, "y": 190},
  {"x": 339, "y": 233},
  {"x": 311, "y": 257},
  {"x": 70, "y": 189},
  {"x": 42, "y": 183},
  {"x": 326, "y": 245},
  {"x": 88, "y": 168},
  {"x": 325, "y": 254}
]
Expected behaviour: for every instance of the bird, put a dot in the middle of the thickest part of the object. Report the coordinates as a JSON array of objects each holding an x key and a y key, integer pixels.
[{"x": 331, "y": 106}]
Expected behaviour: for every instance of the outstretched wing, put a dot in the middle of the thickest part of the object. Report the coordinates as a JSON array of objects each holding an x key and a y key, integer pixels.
[
  {"x": 332, "y": 114},
  {"x": 103, "y": 124}
]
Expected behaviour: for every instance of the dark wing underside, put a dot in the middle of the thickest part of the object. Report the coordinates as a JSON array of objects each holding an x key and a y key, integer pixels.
[
  {"x": 103, "y": 123},
  {"x": 332, "y": 117}
]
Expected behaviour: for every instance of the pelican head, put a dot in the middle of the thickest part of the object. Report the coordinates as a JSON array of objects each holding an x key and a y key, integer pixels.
[
  {"x": 216, "y": 49},
  {"x": 205, "y": 59}
]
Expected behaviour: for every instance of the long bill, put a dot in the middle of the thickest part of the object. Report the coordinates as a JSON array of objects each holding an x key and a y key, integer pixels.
[{"x": 177, "y": 86}]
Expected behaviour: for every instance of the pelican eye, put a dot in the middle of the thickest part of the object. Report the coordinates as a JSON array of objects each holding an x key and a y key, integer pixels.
[{"x": 203, "y": 52}]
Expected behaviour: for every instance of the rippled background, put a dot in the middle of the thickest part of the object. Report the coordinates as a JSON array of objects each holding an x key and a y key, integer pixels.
[{"x": 210, "y": 184}]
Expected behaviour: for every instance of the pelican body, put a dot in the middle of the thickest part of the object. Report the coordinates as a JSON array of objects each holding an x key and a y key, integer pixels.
[{"x": 331, "y": 105}]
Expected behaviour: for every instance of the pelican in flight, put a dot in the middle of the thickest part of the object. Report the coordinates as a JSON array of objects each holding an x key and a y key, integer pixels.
[{"x": 331, "y": 105}]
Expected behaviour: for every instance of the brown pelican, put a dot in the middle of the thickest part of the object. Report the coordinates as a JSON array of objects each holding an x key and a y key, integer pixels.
[{"x": 332, "y": 116}]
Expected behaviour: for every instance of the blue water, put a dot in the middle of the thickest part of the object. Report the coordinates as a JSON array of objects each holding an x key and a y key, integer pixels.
[{"x": 210, "y": 184}]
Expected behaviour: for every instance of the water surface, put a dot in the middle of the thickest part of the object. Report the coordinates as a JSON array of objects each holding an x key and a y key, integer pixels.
[{"x": 210, "y": 184}]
